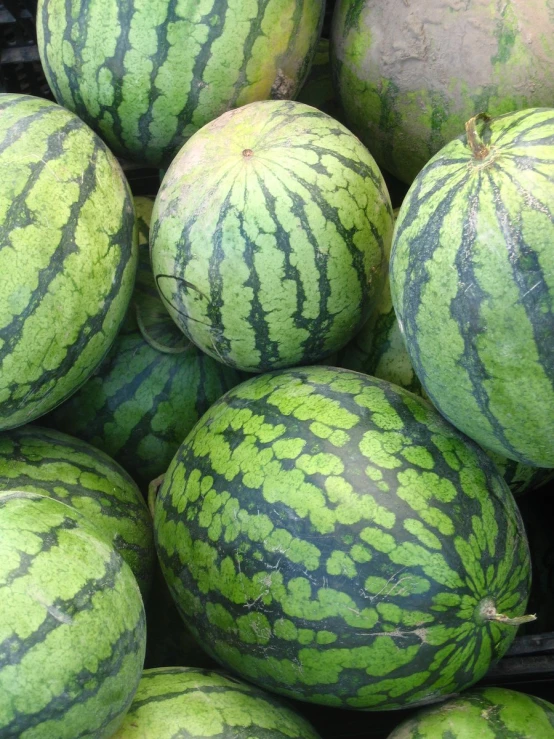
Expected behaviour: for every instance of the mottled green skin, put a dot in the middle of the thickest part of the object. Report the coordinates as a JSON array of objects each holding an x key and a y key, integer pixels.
[
  {"x": 409, "y": 78},
  {"x": 147, "y": 75},
  {"x": 67, "y": 255},
  {"x": 489, "y": 713},
  {"x": 142, "y": 401},
  {"x": 72, "y": 625},
  {"x": 270, "y": 236},
  {"x": 330, "y": 537},
  {"x": 472, "y": 282},
  {"x": 44, "y": 461},
  {"x": 318, "y": 90},
  {"x": 176, "y": 702}
]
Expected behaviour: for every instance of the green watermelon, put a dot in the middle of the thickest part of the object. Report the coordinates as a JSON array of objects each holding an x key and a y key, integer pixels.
[
  {"x": 181, "y": 701},
  {"x": 330, "y": 537},
  {"x": 146, "y": 76},
  {"x": 472, "y": 282},
  {"x": 490, "y": 713},
  {"x": 152, "y": 387},
  {"x": 72, "y": 625},
  {"x": 44, "y": 461},
  {"x": 67, "y": 255},
  {"x": 409, "y": 77},
  {"x": 270, "y": 236},
  {"x": 318, "y": 90}
]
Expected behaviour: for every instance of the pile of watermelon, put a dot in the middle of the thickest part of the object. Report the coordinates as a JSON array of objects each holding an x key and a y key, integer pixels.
[{"x": 277, "y": 439}]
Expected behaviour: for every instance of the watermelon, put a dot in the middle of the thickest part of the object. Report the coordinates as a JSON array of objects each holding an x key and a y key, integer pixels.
[
  {"x": 67, "y": 255},
  {"x": 44, "y": 461},
  {"x": 146, "y": 76},
  {"x": 72, "y": 625},
  {"x": 270, "y": 236},
  {"x": 494, "y": 713},
  {"x": 472, "y": 282},
  {"x": 181, "y": 701},
  {"x": 152, "y": 387},
  {"x": 409, "y": 77},
  {"x": 330, "y": 537}
]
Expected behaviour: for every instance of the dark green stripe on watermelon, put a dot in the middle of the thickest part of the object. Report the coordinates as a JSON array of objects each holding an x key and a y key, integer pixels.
[
  {"x": 67, "y": 255},
  {"x": 146, "y": 77},
  {"x": 494, "y": 713},
  {"x": 72, "y": 625},
  {"x": 183, "y": 702},
  {"x": 50, "y": 463},
  {"x": 330, "y": 537},
  {"x": 472, "y": 283},
  {"x": 152, "y": 387}
]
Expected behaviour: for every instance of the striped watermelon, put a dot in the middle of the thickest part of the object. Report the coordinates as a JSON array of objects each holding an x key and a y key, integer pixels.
[
  {"x": 491, "y": 713},
  {"x": 153, "y": 386},
  {"x": 72, "y": 626},
  {"x": 44, "y": 461},
  {"x": 472, "y": 281},
  {"x": 330, "y": 537},
  {"x": 184, "y": 702},
  {"x": 67, "y": 255},
  {"x": 270, "y": 236},
  {"x": 409, "y": 76},
  {"x": 146, "y": 76}
]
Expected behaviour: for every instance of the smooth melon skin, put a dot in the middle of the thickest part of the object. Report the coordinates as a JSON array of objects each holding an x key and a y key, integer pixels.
[
  {"x": 409, "y": 75},
  {"x": 472, "y": 283},
  {"x": 146, "y": 75},
  {"x": 44, "y": 461},
  {"x": 489, "y": 713},
  {"x": 270, "y": 236},
  {"x": 178, "y": 701},
  {"x": 329, "y": 537},
  {"x": 68, "y": 255},
  {"x": 72, "y": 624}
]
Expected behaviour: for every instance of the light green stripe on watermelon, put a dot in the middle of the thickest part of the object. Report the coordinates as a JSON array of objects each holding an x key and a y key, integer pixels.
[
  {"x": 44, "y": 461},
  {"x": 67, "y": 255},
  {"x": 270, "y": 236},
  {"x": 409, "y": 81},
  {"x": 72, "y": 625},
  {"x": 147, "y": 76},
  {"x": 183, "y": 702},
  {"x": 330, "y": 537},
  {"x": 489, "y": 713},
  {"x": 151, "y": 388},
  {"x": 472, "y": 281}
]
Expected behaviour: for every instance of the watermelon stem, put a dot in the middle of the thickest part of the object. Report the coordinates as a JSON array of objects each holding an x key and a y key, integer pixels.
[
  {"x": 157, "y": 345},
  {"x": 479, "y": 149},
  {"x": 489, "y": 613},
  {"x": 153, "y": 489}
]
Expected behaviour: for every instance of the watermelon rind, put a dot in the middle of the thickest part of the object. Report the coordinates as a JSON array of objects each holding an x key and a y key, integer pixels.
[
  {"x": 270, "y": 236},
  {"x": 41, "y": 460},
  {"x": 67, "y": 255},
  {"x": 147, "y": 76},
  {"x": 494, "y": 713},
  {"x": 182, "y": 701},
  {"x": 330, "y": 537},
  {"x": 72, "y": 624}
]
